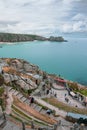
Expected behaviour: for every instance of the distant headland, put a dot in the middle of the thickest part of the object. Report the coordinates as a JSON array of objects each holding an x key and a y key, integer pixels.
[{"x": 11, "y": 37}]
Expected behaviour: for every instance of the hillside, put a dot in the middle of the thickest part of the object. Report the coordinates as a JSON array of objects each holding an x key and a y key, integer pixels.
[
  {"x": 21, "y": 73},
  {"x": 10, "y": 37}
]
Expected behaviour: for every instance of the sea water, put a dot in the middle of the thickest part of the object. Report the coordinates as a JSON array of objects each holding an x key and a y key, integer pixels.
[{"x": 68, "y": 59}]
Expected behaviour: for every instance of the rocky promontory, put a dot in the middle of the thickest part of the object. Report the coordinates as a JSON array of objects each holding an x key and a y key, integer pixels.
[
  {"x": 56, "y": 39},
  {"x": 10, "y": 37}
]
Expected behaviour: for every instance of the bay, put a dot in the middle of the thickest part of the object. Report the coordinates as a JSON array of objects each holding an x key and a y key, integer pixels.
[{"x": 68, "y": 59}]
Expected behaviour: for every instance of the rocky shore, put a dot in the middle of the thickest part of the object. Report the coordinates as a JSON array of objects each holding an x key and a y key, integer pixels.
[
  {"x": 10, "y": 37},
  {"x": 20, "y": 73},
  {"x": 23, "y": 81}
]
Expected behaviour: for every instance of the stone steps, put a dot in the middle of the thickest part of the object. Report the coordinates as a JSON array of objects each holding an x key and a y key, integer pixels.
[
  {"x": 33, "y": 105},
  {"x": 12, "y": 91},
  {"x": 43, "y": 111},
  {"x": 38, "y": 108},
  {"x": 16, "y": 92},
  {"x": 27, "y": 101},
  {"x": 23, "y": 99},
  {"x": 19, "y": 95},
  {"x": 9, "y": 88}
]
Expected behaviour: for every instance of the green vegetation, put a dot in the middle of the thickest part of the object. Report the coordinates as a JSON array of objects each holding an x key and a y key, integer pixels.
[
  {"x": 1, "y": 91},
  {"x": 1, "y": 80},
  {"x": 74, "y": 86},
  {"x": 30, "y": 91},
  {"x": 81, "y": 120},
  {"x": 24, "y": 116},
  {"x": 83, "y": 92},
  {"x": 20, "y": 112},
  {"x": 15, "y": 117},
  {"x": 2, "y": 99},
  {"x": 1, "y": 103},
  {"x": 10, "y": 37},
  {"x": 64, "y": 106}
]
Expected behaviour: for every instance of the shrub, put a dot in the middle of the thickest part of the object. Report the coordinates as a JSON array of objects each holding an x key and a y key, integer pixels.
[
  {"x": 1, "y": 91},
  {"x": 1, "y": 80},
  {"x": 81, "y": 120},
  {"x": 30, "y": 91},
  {"x": 73, "y": 85},
  {"x": 2, "y": 104}
]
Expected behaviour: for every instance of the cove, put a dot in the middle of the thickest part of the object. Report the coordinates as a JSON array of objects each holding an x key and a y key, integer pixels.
[{"x": 68, "y": 59}]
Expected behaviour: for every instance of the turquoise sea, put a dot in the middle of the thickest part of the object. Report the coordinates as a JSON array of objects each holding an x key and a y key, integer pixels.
[{"x": 69, "y": 59}]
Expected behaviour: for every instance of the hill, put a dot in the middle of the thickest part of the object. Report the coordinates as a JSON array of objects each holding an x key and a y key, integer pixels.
[{"x": 11, "y": 37}]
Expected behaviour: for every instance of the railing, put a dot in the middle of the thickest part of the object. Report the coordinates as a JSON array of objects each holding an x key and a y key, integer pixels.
[{"x": 2, "y": 120}]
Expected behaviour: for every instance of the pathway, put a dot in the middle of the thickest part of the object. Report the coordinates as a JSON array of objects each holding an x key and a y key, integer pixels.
[
  {"x": 61, "y": 97},
  {"x": 58, "y": 111}
]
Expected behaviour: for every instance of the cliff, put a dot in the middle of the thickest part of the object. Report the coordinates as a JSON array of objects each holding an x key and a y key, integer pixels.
[
  {"x": 10, "y": 37},
  {"x": 22, "y": 74}
]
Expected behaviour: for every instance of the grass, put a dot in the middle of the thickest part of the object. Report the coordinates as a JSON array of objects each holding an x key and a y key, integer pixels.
[
  {"x": 32, "y": 112},
  {"x": 25, "y": 115},
  {"x": 75, "y": 87},
  {"x": 17, "y": 120},
  {"x": 64, "y": 106},
  {"x": 83, "y": 92},
  {"x": 45, "y": 108},
  {"x": 20, "y": 112},
  {"x": 1, "y": 91}
]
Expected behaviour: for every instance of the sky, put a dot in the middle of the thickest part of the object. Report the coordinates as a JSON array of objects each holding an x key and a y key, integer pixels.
[{"x": 43, "y": 16}]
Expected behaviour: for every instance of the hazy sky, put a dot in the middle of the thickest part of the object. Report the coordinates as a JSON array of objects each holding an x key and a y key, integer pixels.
[{"x": 43, "y": 16}]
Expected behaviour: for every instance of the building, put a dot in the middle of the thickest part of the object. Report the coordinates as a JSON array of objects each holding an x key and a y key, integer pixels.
[{"x": 61, "y": 82}]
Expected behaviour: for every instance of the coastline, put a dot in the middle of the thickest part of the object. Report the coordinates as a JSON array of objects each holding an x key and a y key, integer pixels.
[
  {"x": 11, "y": 37},
  {"x": 25, "y": 80}
]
